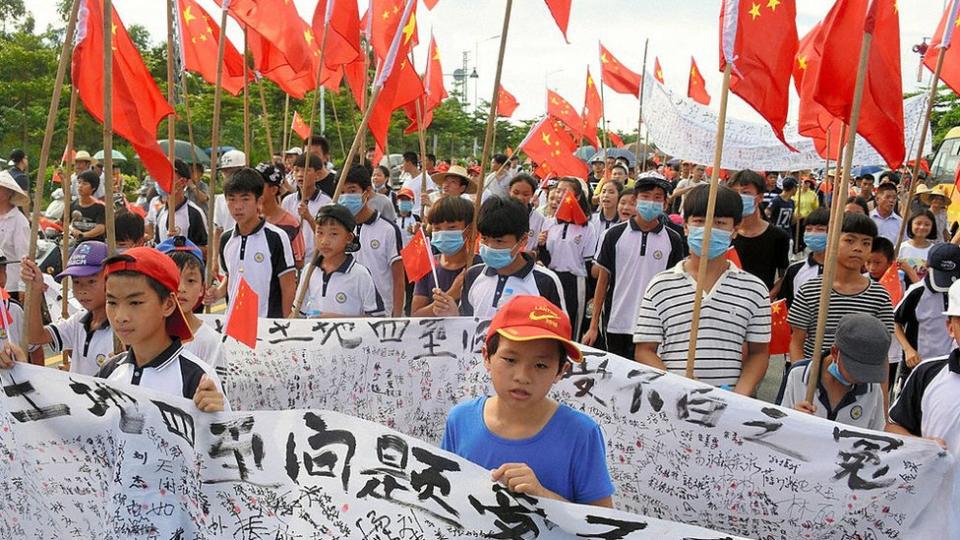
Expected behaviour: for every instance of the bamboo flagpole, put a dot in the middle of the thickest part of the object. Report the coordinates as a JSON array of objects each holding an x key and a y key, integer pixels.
[
  {"x": 171, "y": 120},
  {"x": 643, "y": 80},
  {"x": 708, "y": 223},
  {"x": 320, "y": 66},
  {"x": 246, "y": 99},
  {"x": 830, "y": 263},
  {"x": 266, "y": 116},
  {"x": 286, "y": 123},
  {"x": 336, "y": 120},
  {"x": 67, "y": 186},
  {"x": 186, "y": 107},
  {"x": 214, "y": 143},
  {"x": 108, "y": 129},
  {"x": 603, "y": 119}
]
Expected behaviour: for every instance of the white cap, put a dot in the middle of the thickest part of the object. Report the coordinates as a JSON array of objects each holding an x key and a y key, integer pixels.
[
  {"x": 953, "y": 310},
  {"x": 295, "y": 150},
  {"x": 233, "y": 159}
]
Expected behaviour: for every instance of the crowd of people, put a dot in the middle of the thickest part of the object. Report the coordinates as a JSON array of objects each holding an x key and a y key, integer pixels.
[{"x": 609, "y": 261}]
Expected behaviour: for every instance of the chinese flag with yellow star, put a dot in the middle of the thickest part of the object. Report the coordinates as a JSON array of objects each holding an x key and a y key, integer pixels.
[
  {"x": 561, "y": 109},
  {"x": 592, "y": 111},
  {"x": 814, "y": 121},
  {"x": 278, "y": 23},
  {"x": 950, "y": 73},
  {"x": 881, "y": 112},
  {"x": 138, "y": 105},
  {"x": 657, "y": 70},
  {"x": 696, "y": 86},
  {"x": 779, "y": 328},
  {"x": 300, "y": 127},
  {"x": 506, "y": 103},
  {"x": 434, "y": 91},
  {"x": 241, "y": 322},
  {"x": 385, "y": 16},
  {"x": 399, "y": 83},
  {"x": 570, "y": 210},
  {"x": 199, "y": 35},
  {"x": 617, "y": 76},
  {"x": 759, "y": 40},
  {"x": 548, "y": 142}
]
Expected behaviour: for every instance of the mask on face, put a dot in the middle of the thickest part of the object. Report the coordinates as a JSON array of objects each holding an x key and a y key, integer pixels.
[
  {"x": 352, "y": 201},
  {"x": 749, "y": 205},
  {"x": 816, "y": 241},
  {"x": 496, "y": 258},
  {"x": 447, "y": 242},
  {"x": 834, "y": 370},
  {"x": 649, "y": 210},
  {"x": 405, "y": 206},
  {"x": 719, "y": 242}
]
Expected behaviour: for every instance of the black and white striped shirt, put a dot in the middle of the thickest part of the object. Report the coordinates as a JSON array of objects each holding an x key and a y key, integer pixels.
[
  {"x": 873, "y": 300},
  {"x": 735, "y": 312}
]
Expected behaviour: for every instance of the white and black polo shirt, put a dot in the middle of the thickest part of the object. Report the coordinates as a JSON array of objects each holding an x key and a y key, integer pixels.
[
  {"x": 484, "y": 290},
  {"x": 188, "y": 217},
  {"x": 631, "y": 257},
  {"x": 404, "y": 223},
  {"x": 348, "y": 291},
  {"x": 261, "y": 257},
  {"x": 796, "y": 275},
  {"x": 90, "y": 347},
  {"x": 569, "y": 247},
  {"x": 861, "y": 406},
  {"x": 537, "y": 224},
  {"x": 927, "y": 406},
  {"x": 922, "y": 308},
  {"x": 602, "y": 224},
  {"x": 377, "y": 246},
  {"x": 291, "y": 203},
  {"x": 174, "y": 371}
]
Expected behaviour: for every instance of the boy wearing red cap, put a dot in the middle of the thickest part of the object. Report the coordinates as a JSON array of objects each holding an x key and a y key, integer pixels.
[{"x": 533, "y": 444}]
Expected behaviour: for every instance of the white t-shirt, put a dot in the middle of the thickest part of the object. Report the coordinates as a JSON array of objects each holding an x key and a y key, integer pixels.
[
  {"x": 915, "y": 257},
  {"x": 15, "y": 242},
  {"x": 207, "y": 344},
  {"x": 221, "y": 215}
]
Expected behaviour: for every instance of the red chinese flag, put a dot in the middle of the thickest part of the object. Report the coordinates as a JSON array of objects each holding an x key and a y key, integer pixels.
[
  {"x": 891, "y": 282},
  {"x": 956, "y": 178},
  {"x": 615, "y": 139},
  {"x": 386, "y": 16},
  {"x": 561, "y": 109},
  {"x": 200, "y": 35},
  {"x": 342, "y": 20},
  {"x": 548, "y": 142},
  {"x": 570, "y": 210},
  {"x": 242, "y": 319},
  {"x": 416, "y": 258},
  {"x": 279, "y": 23},
  {"x": 881, "y": 112},
  {"x": 696, "y": 86},
  {"x": 433, "y": 80},
  {"x": 430, "y": 3},
  {"x": 950, "y": 72},
  {"x": 300, "y": 127},
  {"x": 617, "y": 76},
  {"x": 506, "y": 103},
  {"x": 779, "y": 329},
  {"x": 760, "y": 41},
  {"x": 6, "y": 315},
  {"x": 657, "y": 70},
  {"x": 560, "y": 9},
  {"x": 399, "y": 81},
  {"x": 543, "y": 172},
  {"x": 592, "y": 111},
  {"x": 270, "y": 61},
  {"x": 814, "y": 121},
  {"x": 138, "y": 105}
]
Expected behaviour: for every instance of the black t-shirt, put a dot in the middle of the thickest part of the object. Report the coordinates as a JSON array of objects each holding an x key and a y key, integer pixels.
[
  {"x": 328, "y": 185},
  {"x": 781, "y": 213},
  {"x": 764, "y": 255},
  {"x": 768, "y": 198},
  {"x": 88, "y": 217}
]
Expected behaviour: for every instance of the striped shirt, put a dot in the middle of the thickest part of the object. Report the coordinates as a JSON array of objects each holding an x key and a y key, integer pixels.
[
  {"x": 873, "y": 300},
  {"x": 735, "y": 312}
]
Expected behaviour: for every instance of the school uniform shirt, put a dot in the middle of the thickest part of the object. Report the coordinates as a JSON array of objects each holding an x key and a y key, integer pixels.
[
  {"x": 734, "y": 312},
  {"x": 537, "y": 224},
  {"x": 404, "y": 223},
  {"x": 887, "y": 227},
  {"x": 796, "y": 275},
  {"x": 90, "y": 347},
  {"x": 291, "y": 203},
  {"x": 15, "y": 242},
  {"x": 569, "y": 246},
  {"x": 631, "y": 258},
  {"x": 260, "y": 258},
  {"x": 15, "y": 326},
  {"x": 861, "y": 406},
  {"x": 927, "y": 406},
  {"x": 174, "y": 371},
  {"x": 207, "y": 344},
  {"x": 348, "y": 291},
  {"x": 189, "y": 219},
  {"x": 485, "y": 290},
  {"x": 376, "y": 247},
  {"x": 920, "y": 313},
  {"x": 601, "y": 224}
]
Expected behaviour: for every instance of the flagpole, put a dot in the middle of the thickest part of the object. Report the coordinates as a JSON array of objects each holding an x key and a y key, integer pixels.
[
  {"x": 336, "y": 120},
  {"x": 646, "y": 149},
  {"x": 316, "y": 90},
  {"x": 171, "y": 120},
  {"x": 286, "y": 122},
  {"x": 214, "y": 143},
  {"x": 266, "y": 116},
  {"x": 423, "y": 160},
  {"x": 643, "y": 82},
  {"x": 186, "y": 106},
  {"x": 603, "y": 119},
  {"x": 67, "y": 215},
  {"x": 246, "y": 100},
  {"x": 108, "y": 126},
  {"x": 830, "y": 263},
  {"x": 708, "y": 223}
]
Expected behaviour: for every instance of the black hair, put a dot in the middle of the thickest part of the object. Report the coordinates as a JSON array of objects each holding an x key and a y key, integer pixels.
[
  {"x": 500, "y": 159},
  {"x": 859, "y": 201},
  {"x": 185, "y": 260},
  {"x": 385, "y": 170},
  {"x": 359, "y": 175},
  {"x": 153, "y": 284},
  {"x": 882, "y": 245},
  {"x": 502, "y": 216},
  {"x": 729, "y": 203},
  {"x": 646, "y": 187},
  {"x": 17, "y": 156},
  {"x": 890, "y": 176},
  {"x": 411, "y": 158},
  {"x": 578, "y": 192},
  {"x": 245, "y": 180},
  {"x": 330, "y": 220},
  {"x": 321, "y": 141},
  {"x": 91, "y": 178},
  {"x": 886, "y": 186},
  {"x": 129, "y": 226},
  {"x": 746, "y": 177},
  {"x": 311, "y": 161},
  {"x": 628, "y": 192},
  {"x": 789, "y": 183},
  {"x": 867, "y": 176},
  {"x": 450, "y": 210},
  {"x": 494, "y": 343},
  {"x": 932, "y": 235},
  {"x": 820, "y": 216},
  {"x": 617, "y": 184},
  {"x": 620, "y": 166},
  {"x": 181, "y": 168},
  {"x": 524, "y": 177},
  {"x": 859, "y": 224},
  {"x": 432, "y": 157}
]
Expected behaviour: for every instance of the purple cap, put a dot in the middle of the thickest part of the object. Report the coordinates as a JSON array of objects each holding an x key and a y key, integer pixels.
[{"x": 86, "y": 260}]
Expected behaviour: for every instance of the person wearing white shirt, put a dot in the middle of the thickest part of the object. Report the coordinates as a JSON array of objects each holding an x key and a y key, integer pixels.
[
  {"x": 14, "y": 227},
  {"x": 413, "y": 180}
]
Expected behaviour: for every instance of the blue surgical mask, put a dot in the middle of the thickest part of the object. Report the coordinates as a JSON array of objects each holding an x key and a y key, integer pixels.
[
  {"x": 719, "y": 241},
  {"x": 496, "y": 258},
  {"x": 816, "y": 241},
  {"x": 447, "y": 242},
  {"x": 352, "y": 201},
  {"x": 834, "y": 370},
  {"x": 749, "y": 205},
  {"x": 649, "y": 210},
  {"x": 405, "y": 205}
]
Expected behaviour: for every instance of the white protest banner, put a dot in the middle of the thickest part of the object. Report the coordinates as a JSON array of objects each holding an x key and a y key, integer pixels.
[
  {"x": 84, "y": 458},
  {"x": 683, "y": 128},
  {"x": 677, "y": 449}
]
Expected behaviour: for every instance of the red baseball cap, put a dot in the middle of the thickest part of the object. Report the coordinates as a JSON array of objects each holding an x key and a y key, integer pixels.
[
  {"x": 406, "y": 192},
  {"x": 156, "y": 265},
  {"x": 526, "y": 318}
]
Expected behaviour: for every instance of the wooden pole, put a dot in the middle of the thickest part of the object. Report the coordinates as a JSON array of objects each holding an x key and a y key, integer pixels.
[
  {"x": 646, "y": 149},
  {"x": 171, "y": 120},
  {"x": 316, "y": 90},
  {"x": 708, "y": 223},
  {"x": 643, "y": 80},
  {"x": 108, "y": 127},
  {"x": 215, "y": 141},
  {"x": 67, "y": 202},
  {"x": 246, "y": 99},
  {"x": 336, "y": 120},
  {"x": 603, "y": 119},
  {"x": 830, "y": 263},
  {"x": 423, "y": 159},
  {"x": 186, "y": 106},
  {"x": 266, "y": 117},
  {"x": 286, "y": 122}
]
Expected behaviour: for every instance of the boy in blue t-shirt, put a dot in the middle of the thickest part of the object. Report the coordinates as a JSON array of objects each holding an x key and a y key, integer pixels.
[{"x": 533, "y": 444}]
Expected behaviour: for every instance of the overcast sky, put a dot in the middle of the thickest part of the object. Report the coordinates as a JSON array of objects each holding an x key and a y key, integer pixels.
[{"x": 537, "y": 55}]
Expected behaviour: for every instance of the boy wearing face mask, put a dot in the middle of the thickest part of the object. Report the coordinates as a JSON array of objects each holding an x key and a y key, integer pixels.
[
  {"x": 815, "y": 237},
  {"x": 450, "y": 219},
  {"x": 764, "y": 250},
  {"x": 407, "y": 221},
  {"x": 735, "y": 310},
  {"x": 629, "y": 255}
]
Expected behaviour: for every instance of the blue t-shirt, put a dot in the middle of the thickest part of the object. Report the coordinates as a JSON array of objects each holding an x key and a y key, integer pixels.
[{"x": 568, "y": 455}]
